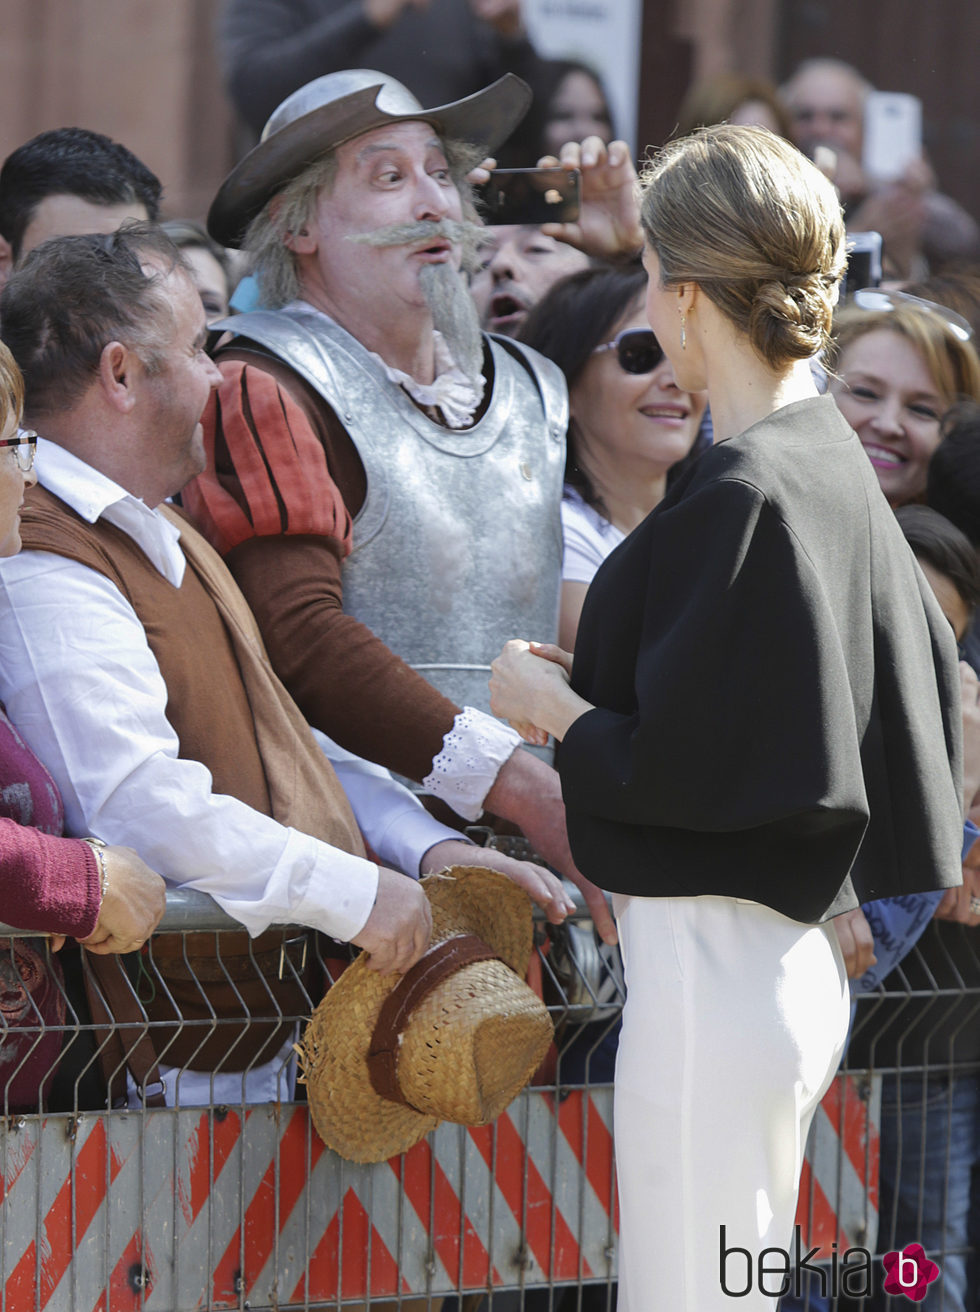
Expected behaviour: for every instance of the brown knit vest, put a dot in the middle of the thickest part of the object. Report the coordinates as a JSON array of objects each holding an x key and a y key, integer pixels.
[{"x": 230, "y": 713}]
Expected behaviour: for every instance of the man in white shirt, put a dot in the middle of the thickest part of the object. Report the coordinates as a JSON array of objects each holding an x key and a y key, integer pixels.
[{"x": 109, "y": 332}]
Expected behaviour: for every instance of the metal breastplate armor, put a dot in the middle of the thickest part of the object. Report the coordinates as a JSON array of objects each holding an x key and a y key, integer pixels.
[{"x": 458, "y": 545}]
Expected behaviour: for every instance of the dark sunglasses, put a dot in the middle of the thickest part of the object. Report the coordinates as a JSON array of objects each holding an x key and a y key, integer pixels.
[{"x": 637, "y": 350}]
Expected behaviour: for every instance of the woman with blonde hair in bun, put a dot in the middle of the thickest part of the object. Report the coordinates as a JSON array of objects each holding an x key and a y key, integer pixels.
[{"x": 759, "y": 732}]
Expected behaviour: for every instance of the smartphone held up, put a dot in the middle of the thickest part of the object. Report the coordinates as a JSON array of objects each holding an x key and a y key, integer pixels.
[
  {"x": 892, "y": 134},
  {"x": 530, "y": 196}
]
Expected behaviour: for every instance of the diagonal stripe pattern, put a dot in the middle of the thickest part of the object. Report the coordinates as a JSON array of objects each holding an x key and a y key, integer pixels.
[{"x": 181, "y": 1210}]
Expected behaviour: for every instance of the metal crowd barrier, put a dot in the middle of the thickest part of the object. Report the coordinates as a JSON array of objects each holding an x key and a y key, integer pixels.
[{"x": 239, "y": 1205}]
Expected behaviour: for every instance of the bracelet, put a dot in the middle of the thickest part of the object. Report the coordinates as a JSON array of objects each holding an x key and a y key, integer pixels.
[{"x": 98, "y": 846}]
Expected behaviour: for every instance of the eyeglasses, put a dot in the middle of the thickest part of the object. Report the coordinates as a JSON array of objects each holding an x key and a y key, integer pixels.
[
  {"x": 23, "y": 446},
  {"x": 873, "y": 298},
  {"x": 637, "y": 350}
]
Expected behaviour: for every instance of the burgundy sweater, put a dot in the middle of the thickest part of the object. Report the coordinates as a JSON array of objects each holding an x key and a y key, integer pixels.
[{"x": 46, "y": 882}]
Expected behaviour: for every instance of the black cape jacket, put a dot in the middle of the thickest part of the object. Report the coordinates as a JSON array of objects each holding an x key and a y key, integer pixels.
[{"x": 776, "y": 690}]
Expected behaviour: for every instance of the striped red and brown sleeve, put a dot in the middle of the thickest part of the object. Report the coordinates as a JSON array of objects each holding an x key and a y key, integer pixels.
[
  {"x": 282, "y": 484},
  {"x": 267, "y": 471}
]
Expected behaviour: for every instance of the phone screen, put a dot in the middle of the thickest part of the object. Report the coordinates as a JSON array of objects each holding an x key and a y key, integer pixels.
[{"x": 530, "y": 196}]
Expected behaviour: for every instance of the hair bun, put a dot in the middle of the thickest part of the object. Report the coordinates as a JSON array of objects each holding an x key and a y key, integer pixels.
[
  {"x": 757, "y": 226},
  {"x": 781, "y": 300},
  {"x": 790, "y": 317}
]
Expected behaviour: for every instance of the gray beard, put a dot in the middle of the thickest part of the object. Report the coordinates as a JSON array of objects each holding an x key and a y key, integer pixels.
[
  {"x": 454, "y": 315},
  {"x": 445, "y": 290}
]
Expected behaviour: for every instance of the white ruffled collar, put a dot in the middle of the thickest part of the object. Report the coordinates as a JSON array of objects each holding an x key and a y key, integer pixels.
[{"x": 456, "y": 396}]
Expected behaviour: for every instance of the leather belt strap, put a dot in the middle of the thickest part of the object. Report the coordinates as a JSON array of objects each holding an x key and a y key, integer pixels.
[
  {"x": 121, "y": 1031},
  {"x": 214, "y": 958},
  {"x": 414, "y": 986}
]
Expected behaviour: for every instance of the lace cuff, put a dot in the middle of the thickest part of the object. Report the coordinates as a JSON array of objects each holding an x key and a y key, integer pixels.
[{"x": 472, "y": 753}]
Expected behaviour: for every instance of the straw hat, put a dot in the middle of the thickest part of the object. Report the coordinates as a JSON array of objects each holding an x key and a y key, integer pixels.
[
  {"x": 338, "y": 106},
  {"x": 457, "y": 1037}
]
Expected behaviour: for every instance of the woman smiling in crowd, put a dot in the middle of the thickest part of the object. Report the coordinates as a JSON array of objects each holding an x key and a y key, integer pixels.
[
  {"x": 898, "y": 370},
  {"x": 630, "y": 422}
]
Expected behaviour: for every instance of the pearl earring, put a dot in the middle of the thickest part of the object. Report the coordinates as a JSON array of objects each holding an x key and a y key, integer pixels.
[{"x": 683, "y": 332}]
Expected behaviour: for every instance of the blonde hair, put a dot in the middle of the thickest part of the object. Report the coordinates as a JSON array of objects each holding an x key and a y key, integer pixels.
[
  {"x": 747, "y": 217},
  {"x": 953, "y": 364},
  {"x": 11, "y": 389}
]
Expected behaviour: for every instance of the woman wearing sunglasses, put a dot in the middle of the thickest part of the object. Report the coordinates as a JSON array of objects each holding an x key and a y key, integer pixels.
[
  {"x": 901, "y": 363},
  {"x": 755, "y": 736},
  {"x": 630, "y": 422},
  {"x": 103, "y": 896}
]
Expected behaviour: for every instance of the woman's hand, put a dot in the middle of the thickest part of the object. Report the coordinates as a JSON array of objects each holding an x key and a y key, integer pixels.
[
  {"x": 856, "y": 942},
  {"x": 530, "y": 690},
  {"x": 539, "y": 884},
  {"x": 963, "y": 903},
  {"x": 482, "y": 172},
  {"x": 134, "y": 902},
  {"x": 608, "y": 226},
  {"x": 550, "y": 652}
]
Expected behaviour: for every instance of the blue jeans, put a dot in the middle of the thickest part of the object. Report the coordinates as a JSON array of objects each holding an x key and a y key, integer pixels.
[{"x": 930, "y": 1144}]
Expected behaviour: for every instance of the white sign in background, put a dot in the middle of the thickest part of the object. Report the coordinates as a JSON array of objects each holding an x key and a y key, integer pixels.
[{"x": 605, "y": 35}]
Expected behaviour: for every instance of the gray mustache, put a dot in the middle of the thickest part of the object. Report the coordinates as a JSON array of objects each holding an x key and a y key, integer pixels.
[{"x": 460, "y": 233}]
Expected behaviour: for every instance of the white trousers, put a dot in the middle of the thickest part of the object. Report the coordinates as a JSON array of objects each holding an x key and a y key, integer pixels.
[{"x": 734, "y": 1024}]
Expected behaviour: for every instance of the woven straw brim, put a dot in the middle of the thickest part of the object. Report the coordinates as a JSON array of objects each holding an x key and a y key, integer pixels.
[{"x": 469, "y": 1048}]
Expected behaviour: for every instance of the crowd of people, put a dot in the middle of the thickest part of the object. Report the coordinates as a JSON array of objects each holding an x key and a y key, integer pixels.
[{"x": 257, "y": 569}]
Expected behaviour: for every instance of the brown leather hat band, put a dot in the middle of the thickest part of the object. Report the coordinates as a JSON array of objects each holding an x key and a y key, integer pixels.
[{"x": 413, "y": 987}]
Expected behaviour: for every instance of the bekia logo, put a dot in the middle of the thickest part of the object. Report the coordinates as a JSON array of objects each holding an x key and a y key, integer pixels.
[
  {"x": 776, "y": 1272},
  {"x": 909, "y": 1272}
]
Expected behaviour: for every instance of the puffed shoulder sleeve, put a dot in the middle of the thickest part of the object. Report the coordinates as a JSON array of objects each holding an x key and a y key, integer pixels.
[
  {"x": 267, "y": 472},
  {"x": 711, "y": 654}
]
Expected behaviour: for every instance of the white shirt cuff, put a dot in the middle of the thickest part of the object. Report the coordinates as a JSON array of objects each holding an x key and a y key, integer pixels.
[
  {"x": 473, "y": 752},
  {"x": 393, "y": 821},
  {"x": 339, "y": 895}
]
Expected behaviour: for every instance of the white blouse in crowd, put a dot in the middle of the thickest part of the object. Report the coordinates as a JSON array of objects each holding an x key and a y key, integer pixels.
[
  {"x": 82, "y": 686},
  {"x": 588, "y": 537}
]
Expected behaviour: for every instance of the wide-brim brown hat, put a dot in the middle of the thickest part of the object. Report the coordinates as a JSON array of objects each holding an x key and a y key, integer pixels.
[
  {"x": 338, "y": 106},
  {"x": 387, "y": 1057}
]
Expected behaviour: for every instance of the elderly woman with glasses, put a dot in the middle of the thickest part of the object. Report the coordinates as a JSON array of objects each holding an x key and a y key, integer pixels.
[
  {"x": 899, "y": 364},
  {"x": 759, "y": 731},
  {"x": 105, "y": 897},
  {"x": 630, "y": 422}
]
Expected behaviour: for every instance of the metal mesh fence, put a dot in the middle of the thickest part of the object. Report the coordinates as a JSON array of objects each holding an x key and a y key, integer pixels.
[{"x": 229, "y": 1199}]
